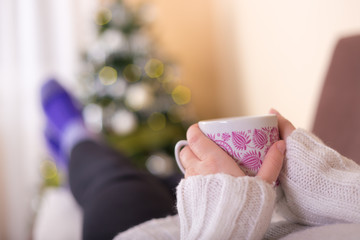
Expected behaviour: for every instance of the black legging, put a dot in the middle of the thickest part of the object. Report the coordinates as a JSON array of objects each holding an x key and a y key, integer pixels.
[{"x": 113, "y": 194}]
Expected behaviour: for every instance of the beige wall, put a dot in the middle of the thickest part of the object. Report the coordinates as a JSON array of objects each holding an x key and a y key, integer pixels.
[
  {"x": 244, "y": 57},
  {"x": 195, "y": 34},
  {"x": 185, "y": 30},
  {"x": 283, "y": 50}
]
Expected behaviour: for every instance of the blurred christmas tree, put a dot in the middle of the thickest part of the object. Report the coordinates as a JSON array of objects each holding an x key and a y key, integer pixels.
[{"x": 132, "y": 97}]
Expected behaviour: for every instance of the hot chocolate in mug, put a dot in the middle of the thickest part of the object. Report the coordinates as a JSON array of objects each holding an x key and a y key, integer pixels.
[{"x": 246, "y": 139}]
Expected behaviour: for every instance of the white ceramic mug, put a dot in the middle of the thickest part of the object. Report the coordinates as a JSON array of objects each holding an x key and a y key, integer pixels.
[{"x": 245, "y": 139}]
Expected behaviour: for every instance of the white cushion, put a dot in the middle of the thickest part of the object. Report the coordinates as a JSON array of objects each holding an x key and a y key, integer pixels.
[{"x": 59, "y": 217}]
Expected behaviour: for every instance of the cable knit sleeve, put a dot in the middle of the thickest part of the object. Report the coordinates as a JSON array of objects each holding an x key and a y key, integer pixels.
[
  {"x": 215, "y": 206},
  {"x": 224, "y": 207},
  {"x": 320, "y": 186}
]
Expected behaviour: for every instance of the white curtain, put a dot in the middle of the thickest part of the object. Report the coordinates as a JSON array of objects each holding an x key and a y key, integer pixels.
[{"x": 38, "y": 39}]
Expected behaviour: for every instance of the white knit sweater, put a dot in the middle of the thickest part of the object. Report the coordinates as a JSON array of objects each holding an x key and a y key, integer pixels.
[{"x": 318, "y": 185}]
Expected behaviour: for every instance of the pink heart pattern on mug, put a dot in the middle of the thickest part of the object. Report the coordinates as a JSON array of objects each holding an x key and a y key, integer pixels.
[{"x": 248, "y": 148}]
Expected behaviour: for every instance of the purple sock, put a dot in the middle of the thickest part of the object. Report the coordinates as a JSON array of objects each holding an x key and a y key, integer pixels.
[
  {"x": 65, "y": 125},
  {"x": 59, "y": 106}
]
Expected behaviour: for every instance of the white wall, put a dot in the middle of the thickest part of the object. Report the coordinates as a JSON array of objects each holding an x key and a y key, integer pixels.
[{"x": 283, "y": 50}]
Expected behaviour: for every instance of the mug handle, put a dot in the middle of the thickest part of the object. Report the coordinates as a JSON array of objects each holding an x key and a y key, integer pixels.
[{"x": 179, "y": 145}]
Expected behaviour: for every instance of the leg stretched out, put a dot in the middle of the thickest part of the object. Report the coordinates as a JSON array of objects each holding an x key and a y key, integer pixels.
[{"x": 113, "y": 194}]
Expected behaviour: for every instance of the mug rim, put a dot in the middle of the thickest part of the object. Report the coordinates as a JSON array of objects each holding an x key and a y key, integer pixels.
[{"x": 233, "y": 119}]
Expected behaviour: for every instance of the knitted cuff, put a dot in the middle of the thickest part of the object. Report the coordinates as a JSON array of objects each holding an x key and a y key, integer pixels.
[
  {"x": 220, "y": 206},
  {"x": 320, "y": 186}
]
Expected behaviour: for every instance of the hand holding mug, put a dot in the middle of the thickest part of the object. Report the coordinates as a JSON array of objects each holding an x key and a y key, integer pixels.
[{"x": 202, "y": 154}]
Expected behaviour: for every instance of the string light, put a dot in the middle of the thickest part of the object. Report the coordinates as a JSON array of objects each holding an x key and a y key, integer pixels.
[
  {"x": 139, "y": 96},
  {"x": 108, "y": 75},
  {"x": 103, "y": 16},
  {"x": 154, "y": 68},
  {"x": 181, "y": 95},
  {"x": 123, "y": 122},
  {"x": 48, "y": 169},
  {"x": 132, "y": 73}
]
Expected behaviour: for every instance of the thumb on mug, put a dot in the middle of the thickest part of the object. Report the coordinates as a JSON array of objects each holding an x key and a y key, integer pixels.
[{"x": 272, "y": 164}]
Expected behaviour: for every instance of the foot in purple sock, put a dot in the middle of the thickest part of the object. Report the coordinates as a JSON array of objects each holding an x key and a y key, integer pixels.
[
  {"x": 65, "y": 125},
  {"x": 59, "y": 106}
]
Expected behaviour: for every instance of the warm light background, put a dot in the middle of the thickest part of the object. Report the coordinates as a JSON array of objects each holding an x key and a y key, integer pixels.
[
  {"x": 244, "y": 57},
  {"x": 239, "y": 57},
  {"x": 191, "y": 34}
]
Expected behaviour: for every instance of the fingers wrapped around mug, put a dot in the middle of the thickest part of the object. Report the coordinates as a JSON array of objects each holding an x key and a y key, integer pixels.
[
  {"x": 189, "y": 161},
  {"x": 285, "y": 126},
  {"x": 202, "y": 156}
]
